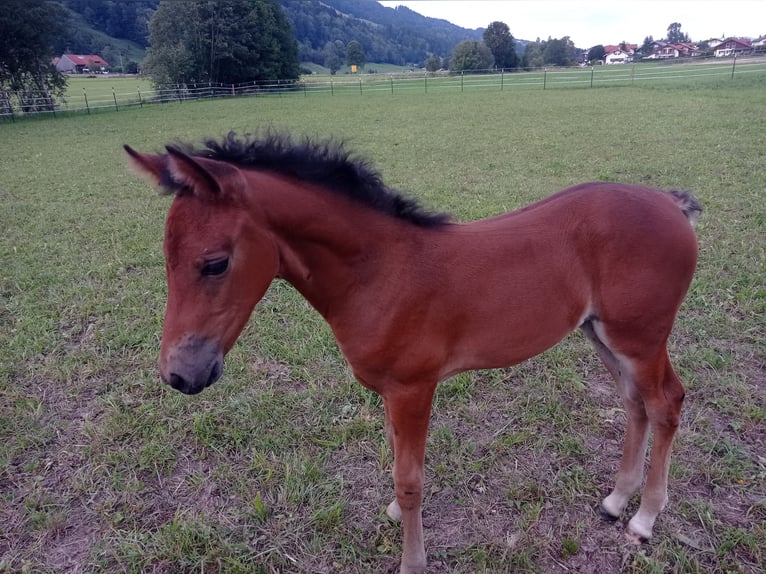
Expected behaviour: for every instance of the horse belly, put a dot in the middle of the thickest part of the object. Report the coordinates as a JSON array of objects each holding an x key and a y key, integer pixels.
[{"x": 515, "y": 325}]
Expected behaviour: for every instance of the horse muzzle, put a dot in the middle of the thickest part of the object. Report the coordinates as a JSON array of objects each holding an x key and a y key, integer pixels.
[{"x": 192, "y": 365}]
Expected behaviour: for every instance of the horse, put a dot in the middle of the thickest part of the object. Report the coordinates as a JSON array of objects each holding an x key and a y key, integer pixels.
[{"x": 413, "y": 297}]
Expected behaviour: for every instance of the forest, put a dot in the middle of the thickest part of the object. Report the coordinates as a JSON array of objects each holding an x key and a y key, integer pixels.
[{"x": 397, "y": 36}]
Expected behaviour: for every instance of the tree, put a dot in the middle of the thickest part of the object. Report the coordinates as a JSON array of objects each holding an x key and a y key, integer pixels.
[
  {"x": 355, "y": 54},
  {"x": 500, "y": 42},
  {"x": 675, "y": 35},
  {"x": 332, "y": 56},
  {"x": 533, "y": 55},
  {"x": 469, "y": 55},
  {"x": 645, "y": 50},
  {"x": 433, "y": 63},
  {"x": 596, "y": 53},
  {"x": 231, "y": 41},
  {"x": 560, "y": 52},
  {"x": 28, "y": 30}
]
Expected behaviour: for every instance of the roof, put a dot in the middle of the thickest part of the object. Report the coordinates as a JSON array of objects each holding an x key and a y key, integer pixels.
[
  {"x": 86, "y": 59},
  {"x": 630, "y": 48},
  {"x": 741, "y": 41}
]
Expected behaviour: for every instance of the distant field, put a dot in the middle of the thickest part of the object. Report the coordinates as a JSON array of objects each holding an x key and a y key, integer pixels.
[
  {"x": 282, "y": 466},
  {"x": 101, "y": 93}
]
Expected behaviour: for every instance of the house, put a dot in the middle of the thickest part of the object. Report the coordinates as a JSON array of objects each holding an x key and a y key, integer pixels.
[
  {"x": 79, "y": 64},
  {"x": 665, "y": 50},
  {"x": 618, "y": 57},
  {"x": 731, "y": 47},
  {"x": 619, "y": 54},
  {"x": 759, "y": 44},
  {"x": 625, "y": 47}
]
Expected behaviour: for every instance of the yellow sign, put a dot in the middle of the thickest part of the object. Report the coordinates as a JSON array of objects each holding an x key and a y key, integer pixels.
[{"x": 353, "y": 68}]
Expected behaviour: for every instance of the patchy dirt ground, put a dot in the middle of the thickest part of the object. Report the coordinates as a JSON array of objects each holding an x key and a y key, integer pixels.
[{"x": 517, "y": 462}]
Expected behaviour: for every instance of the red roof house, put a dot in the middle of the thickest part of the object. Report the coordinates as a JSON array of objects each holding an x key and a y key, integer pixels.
[{"x": 78, "y": 63}]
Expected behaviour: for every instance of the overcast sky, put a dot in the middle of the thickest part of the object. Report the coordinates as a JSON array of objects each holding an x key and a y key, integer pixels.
[{"x": 590, "y": 23}]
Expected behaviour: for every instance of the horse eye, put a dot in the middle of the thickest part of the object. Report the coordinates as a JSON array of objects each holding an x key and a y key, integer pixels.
[{"x": 215, "y": 267}]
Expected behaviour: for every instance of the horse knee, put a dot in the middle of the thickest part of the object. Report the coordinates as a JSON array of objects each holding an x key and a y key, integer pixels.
[{"x": 409, "y": 496}]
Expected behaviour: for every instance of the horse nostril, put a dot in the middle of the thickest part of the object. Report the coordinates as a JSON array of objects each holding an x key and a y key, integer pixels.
[
  {"x": 176, "y": 381},
  {"x": 215, "y": 373}
]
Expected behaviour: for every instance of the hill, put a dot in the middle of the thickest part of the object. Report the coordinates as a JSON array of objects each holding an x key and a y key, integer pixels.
[
  {"x": 392, "y": 35},
  {"x": 388, "y": 35}
]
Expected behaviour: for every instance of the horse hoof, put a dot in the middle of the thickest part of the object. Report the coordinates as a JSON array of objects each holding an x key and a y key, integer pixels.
[
  {"x": 634, "y": 538},
  {"x": 605, "y": 514}
]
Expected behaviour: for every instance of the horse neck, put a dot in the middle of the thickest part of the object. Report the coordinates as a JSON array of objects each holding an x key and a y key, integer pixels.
[{"x": 328, "y": 244}]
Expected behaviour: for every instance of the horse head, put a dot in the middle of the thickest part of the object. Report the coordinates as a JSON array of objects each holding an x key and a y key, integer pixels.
[{"x": 220, "y": 260}]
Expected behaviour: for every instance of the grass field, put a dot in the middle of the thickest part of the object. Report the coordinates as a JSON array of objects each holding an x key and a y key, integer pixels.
[
  {"x": 105, "y": 92},
  {"x": 282, "y": 466}
]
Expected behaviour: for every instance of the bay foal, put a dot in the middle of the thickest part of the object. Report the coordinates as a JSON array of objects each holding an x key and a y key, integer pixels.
[{"x": 413, "y": 298}]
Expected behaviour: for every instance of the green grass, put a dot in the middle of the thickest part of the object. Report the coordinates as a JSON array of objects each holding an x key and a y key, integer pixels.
[{"x": 283, "y": 465}]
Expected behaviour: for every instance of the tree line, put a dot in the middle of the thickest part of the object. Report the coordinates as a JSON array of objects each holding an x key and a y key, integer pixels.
[{"x": 238, "y": 41}]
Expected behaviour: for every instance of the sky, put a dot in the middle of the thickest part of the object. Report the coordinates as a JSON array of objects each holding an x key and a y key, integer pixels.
[{"x": 605, "y": 22}]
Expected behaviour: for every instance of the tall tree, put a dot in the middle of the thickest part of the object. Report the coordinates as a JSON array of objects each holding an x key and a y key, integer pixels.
[
  {"x": 230, "y": 41},
  {"x": 28, "y": 30},
  {"x": 675, "y": 35},
  {"x": 645, "y": 50},
  {"x": 560, "y": 52},
  {"x": 501, "y": 43},
  {"x": 596, "y": 53},
  {"x": 533, "y": 55},
  {"x": 354, "y": 54},
  {"x": 469, "y": 55},
  {"x": 433, "y": 63},
  {"x": 333, "y": 56}
]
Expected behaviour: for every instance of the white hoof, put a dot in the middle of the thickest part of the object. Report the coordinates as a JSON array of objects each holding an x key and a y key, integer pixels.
[
  {"x": 613, "y": 505},
  {"x": 639, "y": 529}
]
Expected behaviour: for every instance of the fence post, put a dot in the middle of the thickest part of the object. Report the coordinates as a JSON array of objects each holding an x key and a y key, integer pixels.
[
  {"x": 392, "y": 85},
  {"x": 140, "y": 101},
  {"x": 332, "y": 89},
  {"x": 545, "y": 77},
  {"x": 114, "y": 97},
  {"x": 462, "y": 75},
  {"x": 425, "y": 83},
  {"x": 733, "y": 65},
  {"x": 360, "y": 86},
  {"x": 87, "y": 107}
]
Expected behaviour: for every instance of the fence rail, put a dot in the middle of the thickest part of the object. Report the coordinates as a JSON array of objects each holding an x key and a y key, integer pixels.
[{"x": 19, "y": 104}]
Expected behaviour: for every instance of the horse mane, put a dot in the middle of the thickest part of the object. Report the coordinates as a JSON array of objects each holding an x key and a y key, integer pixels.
[{"x": 325, "y": 163}]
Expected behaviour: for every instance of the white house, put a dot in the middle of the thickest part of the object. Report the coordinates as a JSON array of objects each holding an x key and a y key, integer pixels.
[{"x": 618, "y": 57}]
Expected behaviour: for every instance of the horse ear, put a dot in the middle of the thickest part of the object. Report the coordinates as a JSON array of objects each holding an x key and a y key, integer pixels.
[
  {"x": 150, "y": 165},
  {"x": 206, "y": 178}
]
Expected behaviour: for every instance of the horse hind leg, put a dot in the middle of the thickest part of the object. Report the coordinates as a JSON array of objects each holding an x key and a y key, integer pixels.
[
  {"x": 631, "y": 469},
  {"x": 652, "y": 395},
  {"x": 663, "y": 395}
]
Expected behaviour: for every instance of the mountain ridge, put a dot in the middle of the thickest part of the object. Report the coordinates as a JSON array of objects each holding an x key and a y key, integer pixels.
[{"x": 398, "y": 36}]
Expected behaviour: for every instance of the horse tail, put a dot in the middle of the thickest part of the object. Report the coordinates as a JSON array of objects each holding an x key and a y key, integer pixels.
[{"x": 690, "y": 207}]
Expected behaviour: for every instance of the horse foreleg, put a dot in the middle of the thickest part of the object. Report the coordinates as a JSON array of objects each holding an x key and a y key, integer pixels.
[
  {"x": 407, "y": 414},
  {"x": 393, "y": 511}
]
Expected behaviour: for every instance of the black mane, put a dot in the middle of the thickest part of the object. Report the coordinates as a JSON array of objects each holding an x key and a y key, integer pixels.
[{"x": 326, "y": 163}]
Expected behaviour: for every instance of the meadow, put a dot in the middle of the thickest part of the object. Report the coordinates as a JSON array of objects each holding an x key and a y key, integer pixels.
[{"x": 282, "y": 466}]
